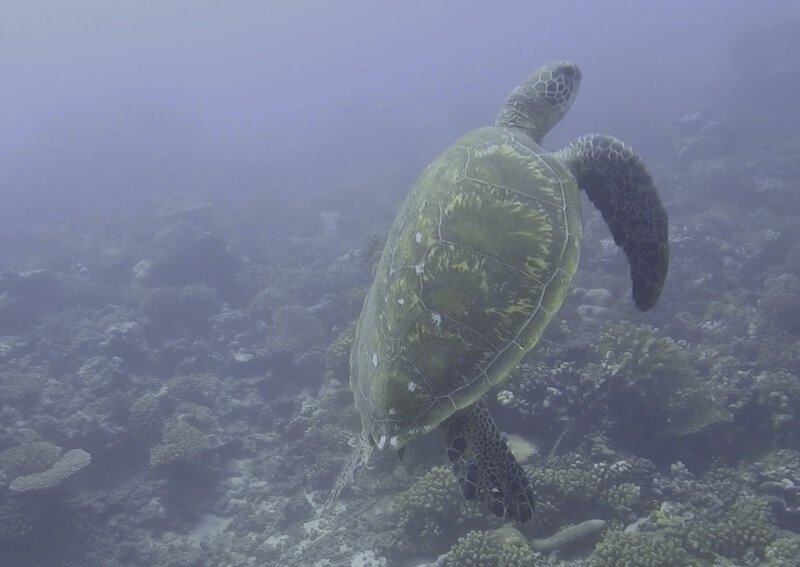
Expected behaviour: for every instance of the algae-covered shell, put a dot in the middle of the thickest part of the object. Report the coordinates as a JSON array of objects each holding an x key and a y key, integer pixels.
[{"x": 478, "y": 260}]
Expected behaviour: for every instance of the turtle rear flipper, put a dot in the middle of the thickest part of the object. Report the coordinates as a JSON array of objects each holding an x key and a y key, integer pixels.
[
  {"x": 484, "y": 466},
  {"x": 618, "y": 184}
]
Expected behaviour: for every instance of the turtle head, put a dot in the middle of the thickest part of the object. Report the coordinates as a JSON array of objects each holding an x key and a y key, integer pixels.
[{"x": 541, "y": 102}]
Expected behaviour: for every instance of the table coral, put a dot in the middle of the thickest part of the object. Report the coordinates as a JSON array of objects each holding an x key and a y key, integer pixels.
[{"x": 71, "y": 463}]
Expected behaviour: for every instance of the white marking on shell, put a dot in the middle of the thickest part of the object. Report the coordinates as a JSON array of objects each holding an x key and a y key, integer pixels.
[
  {"x": 394, "y": 441},
  {"x": 418, "y": 237},
  {"x": 375, "y": 359},
  {"x": 412, "y": 386},
  {"x": 436, "y": 318},
  {"x": 392, "y": 411},
  {"x": 486, "y": 151},
  {"x": 401, "y": 301},
  {"x": 505, "y": 397},
  {"x": 419, "y": 268},
  {"x": 382, "y": 442}
]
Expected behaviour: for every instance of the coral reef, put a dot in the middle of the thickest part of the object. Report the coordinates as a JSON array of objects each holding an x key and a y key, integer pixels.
[
  {"x": 69, "y": 464},
  {"x": 653, "y": 387},
  {"x": 780, "y": 302},
  {"x": 776, "y": 478},
  {"x": 779, "y": 394},
  {"x": 176, "y": 311},
  {"x": 745, "y": 527},
  {"x": 640, "y": 549},
  {"x": 292, "y": 331},
  {"x": 595, "y": 482},
  {"x": 545, "y": 397},
  {"x": 432, "y": 510},
  {"x": 185, "y": 255},
  {"x": 503, "y": 547},
  {"x": 783, "y": 551},
  {"x": 182, "y": 443},
  {"x": 22, "y": 521},
  {"x": 28, "y": 459},
  {"x": 146, "y": 416},
  {"x": 200, "y": 354},
  {"x": 17, "y": 386},
  {"x": 682, "y": 535}
]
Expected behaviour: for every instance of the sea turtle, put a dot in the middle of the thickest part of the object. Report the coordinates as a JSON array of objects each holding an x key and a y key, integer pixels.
[{"x": 476, "y": 264}]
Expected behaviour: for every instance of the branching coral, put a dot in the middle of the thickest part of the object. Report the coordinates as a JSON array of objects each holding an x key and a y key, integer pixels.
[
  {"x": 292, "y": 329},
  {"x": 633, "y": 353},
  {"x": 779, "y": 394},
  {"x": 182, "y": 443},
  {"x": 745, "y": 527},
  {"x": 780, "y": 302},
  {"x": 640, "y": 549},
  {"x": 643, "y": 387},
  {"x": 503, "y": 547},
  {"x": 295, "y": 336},
  {"x": 653, "y": 386},
  {"x": 433, "y": 509},
  {"x": 549, "y": 398},
  {"x": 604, "y": 485},
  {"x": 16, "y": 386},
  {"x": 783, "y": 551},
  {"x": 721, "y": 524},
  {"x": 196, "y": 388},
  {"x": 777, "y": 479},
  {"x": 146, "y": 416},
  {"x": 265, "y": 302}
]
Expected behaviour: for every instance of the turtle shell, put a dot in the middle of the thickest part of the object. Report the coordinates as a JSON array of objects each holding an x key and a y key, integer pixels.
[{"x": 477, "y": 262}]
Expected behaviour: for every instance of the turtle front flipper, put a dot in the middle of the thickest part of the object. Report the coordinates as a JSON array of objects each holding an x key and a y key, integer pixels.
[
  {"x": 618, "y": 184},
  {"x": 484, "y": 466}
]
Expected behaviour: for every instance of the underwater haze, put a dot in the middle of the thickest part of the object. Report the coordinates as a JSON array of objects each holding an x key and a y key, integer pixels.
[
  {"x": 118, "y": 102},
  {"x": 196, "y": 200}
]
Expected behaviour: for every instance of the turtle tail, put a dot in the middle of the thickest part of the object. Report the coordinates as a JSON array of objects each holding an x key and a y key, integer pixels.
[
  {"x": 484, "y": 466},
  {"x": 618, "y": 184}
]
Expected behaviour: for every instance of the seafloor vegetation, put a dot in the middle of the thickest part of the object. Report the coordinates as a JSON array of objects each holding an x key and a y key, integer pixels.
[{"x": 173, "y": 387}]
